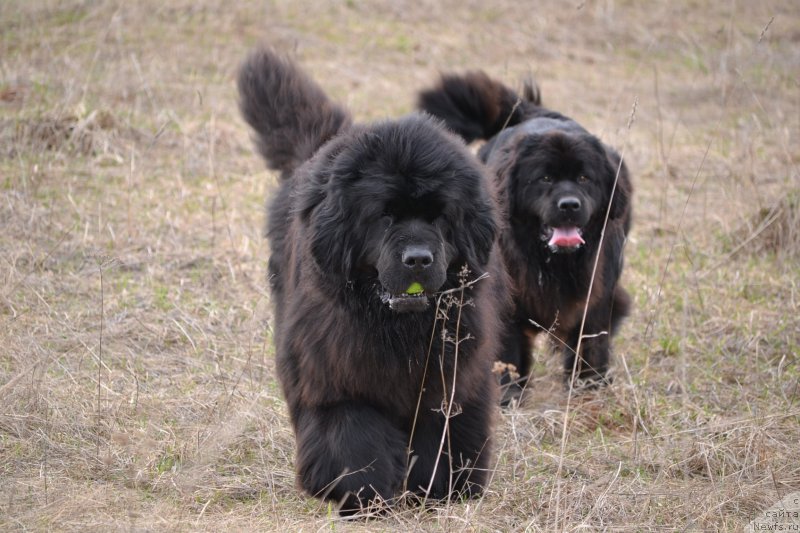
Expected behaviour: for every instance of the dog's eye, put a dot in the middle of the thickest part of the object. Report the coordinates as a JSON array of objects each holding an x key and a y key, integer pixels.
[
  {"x": 583, "y": 179},
  {"x": 546, "y": 179}
]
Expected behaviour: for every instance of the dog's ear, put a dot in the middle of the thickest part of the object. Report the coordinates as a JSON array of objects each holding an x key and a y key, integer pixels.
[
  {"x": 620, "y": 203},
  {"x": 332, "y": 247},
  {"x": 614, "y": 170},
  {"x": 318, "y": 206},
  {"x": 476, "y": 242},
  {"x": 503, "y": 162}
]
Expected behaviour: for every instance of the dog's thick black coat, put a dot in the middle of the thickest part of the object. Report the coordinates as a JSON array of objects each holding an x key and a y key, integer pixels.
[
  {"x": 370, "y": 226},
  {"x": 556, "y": 183}
]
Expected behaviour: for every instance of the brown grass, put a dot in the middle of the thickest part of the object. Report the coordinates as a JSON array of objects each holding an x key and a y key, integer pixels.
[{"x": 136, "y": 368}]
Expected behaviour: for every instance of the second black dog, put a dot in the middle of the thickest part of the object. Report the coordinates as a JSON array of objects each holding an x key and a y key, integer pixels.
[{"x": 566, "y": 197}]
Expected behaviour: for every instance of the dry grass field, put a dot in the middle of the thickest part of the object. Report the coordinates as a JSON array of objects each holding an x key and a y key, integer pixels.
[{"x": 137, "y": 384}]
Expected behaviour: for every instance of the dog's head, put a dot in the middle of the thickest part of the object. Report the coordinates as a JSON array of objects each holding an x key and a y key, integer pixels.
[
  {"x": 397, "y": 209},
  {"x": 561, "y": 183}
]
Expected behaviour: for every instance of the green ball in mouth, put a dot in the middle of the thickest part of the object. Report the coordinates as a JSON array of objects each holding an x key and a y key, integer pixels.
[{"x": 414, "y": 288}]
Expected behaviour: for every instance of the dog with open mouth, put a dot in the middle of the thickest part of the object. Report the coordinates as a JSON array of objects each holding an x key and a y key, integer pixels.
[
  {"x": 385, "y": 327},
  {"x": 566, "y": 197}
]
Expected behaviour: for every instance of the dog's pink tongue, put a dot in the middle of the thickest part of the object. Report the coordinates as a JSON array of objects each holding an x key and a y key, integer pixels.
[{"x": 567, "y": 237}]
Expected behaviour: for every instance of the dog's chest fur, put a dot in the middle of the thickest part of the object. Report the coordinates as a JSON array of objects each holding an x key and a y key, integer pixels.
[{"x": 552, "y": 287}]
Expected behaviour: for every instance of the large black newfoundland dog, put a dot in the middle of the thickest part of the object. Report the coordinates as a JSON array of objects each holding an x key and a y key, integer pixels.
[
  {"x": 385, "y": 336},
  {"x": 566, "y": 198}
]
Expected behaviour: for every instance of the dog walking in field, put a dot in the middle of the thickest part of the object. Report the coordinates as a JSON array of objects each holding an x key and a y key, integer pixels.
[
  {"x": 566, "y": 199},
  {"x": 373, "y": 229}
]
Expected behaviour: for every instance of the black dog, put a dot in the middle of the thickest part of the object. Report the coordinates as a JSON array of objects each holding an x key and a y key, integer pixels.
[
  {"x": 375, "y": 231},
  {"x": 557, "y": 183}
]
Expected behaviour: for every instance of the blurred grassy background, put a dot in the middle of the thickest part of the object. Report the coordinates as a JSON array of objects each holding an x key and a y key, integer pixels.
[{"x": 136, "y": 364}]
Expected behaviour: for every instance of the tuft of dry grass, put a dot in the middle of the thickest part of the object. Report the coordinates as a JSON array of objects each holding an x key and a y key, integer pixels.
[
  {"x": 137, "y": 372},
  {"x": 773, "y": 230}
]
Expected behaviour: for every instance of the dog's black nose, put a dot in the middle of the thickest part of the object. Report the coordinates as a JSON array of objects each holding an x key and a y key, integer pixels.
[
  {"x": 417, "y": 257},
  {"x": 569, "y": 203}
]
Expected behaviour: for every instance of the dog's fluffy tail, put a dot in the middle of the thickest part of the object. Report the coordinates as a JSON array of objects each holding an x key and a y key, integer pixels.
[
  {"x": 291, "y": 115},
  {"x": 477, "y": 107}
]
